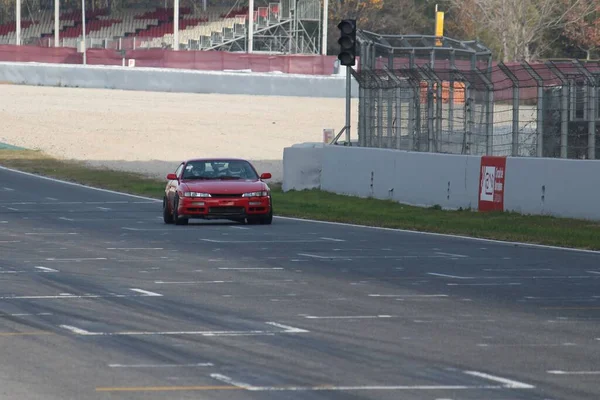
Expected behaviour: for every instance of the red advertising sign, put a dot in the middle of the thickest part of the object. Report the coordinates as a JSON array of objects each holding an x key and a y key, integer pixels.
[{"x": 491, "y": 183}]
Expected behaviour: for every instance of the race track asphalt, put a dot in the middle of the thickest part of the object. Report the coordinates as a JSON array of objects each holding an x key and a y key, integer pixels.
[{"x": 101, "y": 300}]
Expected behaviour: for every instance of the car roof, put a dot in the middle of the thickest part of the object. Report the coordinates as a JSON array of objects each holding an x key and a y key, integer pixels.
[{"x": 215, "y": 159}]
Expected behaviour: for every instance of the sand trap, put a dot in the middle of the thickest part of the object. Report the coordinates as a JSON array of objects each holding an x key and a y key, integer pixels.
[{"x": 151, "y": 132}]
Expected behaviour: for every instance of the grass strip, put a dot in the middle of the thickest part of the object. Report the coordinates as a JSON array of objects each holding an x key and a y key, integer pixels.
[{"x": 319, "y": 205}]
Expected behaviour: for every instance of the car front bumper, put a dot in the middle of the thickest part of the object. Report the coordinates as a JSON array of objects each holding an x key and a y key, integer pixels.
[{"x": 223, "y": 208}]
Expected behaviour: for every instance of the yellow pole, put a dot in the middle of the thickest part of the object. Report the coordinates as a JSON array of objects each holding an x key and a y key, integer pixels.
[{"x": 439, "y": 27}]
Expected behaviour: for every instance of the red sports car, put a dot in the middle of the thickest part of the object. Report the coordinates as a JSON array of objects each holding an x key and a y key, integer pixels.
[{"x": 217, "y": 189}]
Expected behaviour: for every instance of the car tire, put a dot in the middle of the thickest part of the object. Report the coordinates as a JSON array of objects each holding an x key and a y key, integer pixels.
[
  {"x": 267, "y": 219},
  {"x": 167, "y": 216},
  {"x": 178, "y": 220}
]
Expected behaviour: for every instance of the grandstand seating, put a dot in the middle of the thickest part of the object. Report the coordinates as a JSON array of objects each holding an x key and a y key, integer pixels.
[{"x": 148, "y": 27}]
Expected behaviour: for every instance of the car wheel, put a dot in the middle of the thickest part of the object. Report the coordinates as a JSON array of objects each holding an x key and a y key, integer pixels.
[
  {"x": 267, "y": 219},
  {"x": 167, "y": 216},
  {"x": 176, "y": 218}
]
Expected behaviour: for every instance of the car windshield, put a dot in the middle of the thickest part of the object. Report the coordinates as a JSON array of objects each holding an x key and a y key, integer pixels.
[{"x": 219, "y": 169}]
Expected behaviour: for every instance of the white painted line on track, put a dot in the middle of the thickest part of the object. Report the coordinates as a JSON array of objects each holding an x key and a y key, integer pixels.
[
  {"x": 526, "y": 345},
  {"x": 408, "y": 295},
  {"x": 7, "y": 189},
  {"x": 449, "y": 276},
  {"x": 3, "y": 222},
  {"x": 349, "y": 317},
  {"x": 313, "y": 256},
  {"x": 146, "y": 229},
  {"x": 226, "y": 379},
  {"x": 51, "y": 233},
  {"x": 46, "y": 269},
  {"x": 484, "y": 284},
  {"x": 188, "y": 282},
  {"x": 12, "y": 209},
  {"x": 66, "y": 219},
  {"x": 516, "y": 269},
  {"x": 150, "y": 294},
  {"x": 250, "y": 268},
  {"x": 51, "y": 198},
  {"x": 286, "y": 329},
  {"x": 12, "y": 272},
  {"x": 451, "y": 254},
  {"x": 75, "y": 330},
  {"x": 73, "y": 296},
  {"x": 332, "y": 239},
  {"x": 76, "y": 259},
  {"x": 593, "y": 272},
  {"x": 261, "y": 241},
  {"x": 103, "y": 208},
  {"x": 134, "y": 248},
  {"x": 235, "y": 227},
  {"x": 10, "y": 241},
  {"x": 555, "y": 372},
  {"x": 149, "y": 200},
  {"x": 160, "y": 365},
  {"x": 26, "y": 314},
  {"x": 508, "y": 383}
]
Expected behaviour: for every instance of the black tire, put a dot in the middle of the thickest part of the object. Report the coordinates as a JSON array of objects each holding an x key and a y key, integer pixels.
[
  {"x": 167, "y": 216},
  {"x": 178, "y": 220},
  {"x": 267, "y": 219},
  {"x": 253, "y": 220}
]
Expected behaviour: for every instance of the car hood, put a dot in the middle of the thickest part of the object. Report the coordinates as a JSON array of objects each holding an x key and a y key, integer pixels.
[{"x": 224, "y": 186}]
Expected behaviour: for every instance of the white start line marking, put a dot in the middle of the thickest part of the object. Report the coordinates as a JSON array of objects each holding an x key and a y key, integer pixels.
[
  {"x": 505, "y": 384},
  {"x": 160, "y": 365},
  {"x": 285, "y": 329}
]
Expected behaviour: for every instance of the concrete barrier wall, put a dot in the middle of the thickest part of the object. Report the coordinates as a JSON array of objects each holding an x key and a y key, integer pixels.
[
  {"x": 542, "y": 186},
  {"x": 170, "y": 80},
  {"x": 302, "y": 164},
  {"x": 419, "y": 179},
  {"x": 564, "y": 188}
]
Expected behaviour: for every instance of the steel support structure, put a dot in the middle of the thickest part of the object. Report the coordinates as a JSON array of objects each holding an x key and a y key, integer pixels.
[
  {"x": 564, "y": 109},
  {"x": 540, "y": 110},
  {"x": 515, "y": 111},
  {"x": 592, "y": 107}
]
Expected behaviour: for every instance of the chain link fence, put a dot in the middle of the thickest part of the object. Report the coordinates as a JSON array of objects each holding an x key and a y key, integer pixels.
[{"x": 547, "y": 109}]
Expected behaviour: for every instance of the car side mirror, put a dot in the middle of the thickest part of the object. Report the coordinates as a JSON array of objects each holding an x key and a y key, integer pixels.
[
  {"x": 266, "y": 175},
  {"x": 172, "y": 177}
]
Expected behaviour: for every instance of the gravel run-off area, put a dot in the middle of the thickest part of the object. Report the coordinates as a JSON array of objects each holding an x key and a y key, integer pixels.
[{"x": 151, "y": 132}]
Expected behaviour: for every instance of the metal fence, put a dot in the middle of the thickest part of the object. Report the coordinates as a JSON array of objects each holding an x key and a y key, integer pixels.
[{"x": 548, "y": 109}]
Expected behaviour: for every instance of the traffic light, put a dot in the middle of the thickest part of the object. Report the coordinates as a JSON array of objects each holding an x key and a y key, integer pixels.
[{"x": 347, "y": 42}]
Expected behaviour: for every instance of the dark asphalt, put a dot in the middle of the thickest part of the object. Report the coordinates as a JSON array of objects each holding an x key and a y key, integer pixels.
[{"x": 100, "y": 300}]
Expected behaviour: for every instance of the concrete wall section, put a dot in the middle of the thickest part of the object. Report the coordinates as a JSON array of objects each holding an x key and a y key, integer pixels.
[
  {"x": 422, "y": 179},
  {"x": 170, "y": 80},
  {"x": 302, "y": 164},
  {"x": 542, "y": 186},
  {"x": 537, "y": 186}
]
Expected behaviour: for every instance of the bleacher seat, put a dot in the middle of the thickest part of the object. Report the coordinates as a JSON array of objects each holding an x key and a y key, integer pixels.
[{"x": 148, "y": 27}]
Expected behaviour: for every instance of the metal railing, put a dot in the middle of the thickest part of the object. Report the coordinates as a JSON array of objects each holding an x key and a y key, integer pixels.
[{"x": 549, "y": 109}]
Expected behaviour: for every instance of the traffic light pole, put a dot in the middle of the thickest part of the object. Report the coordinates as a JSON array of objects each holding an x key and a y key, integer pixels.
[
  {"x": 346, "y": 127},
  {"x": 348, "y": 102},
  {"x": 347, "y": 57}
]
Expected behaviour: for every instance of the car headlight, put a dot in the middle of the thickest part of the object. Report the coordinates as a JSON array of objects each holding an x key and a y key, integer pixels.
[
  {"x": 256, "y": 194},
  {"x": 195, "y": 194}
]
